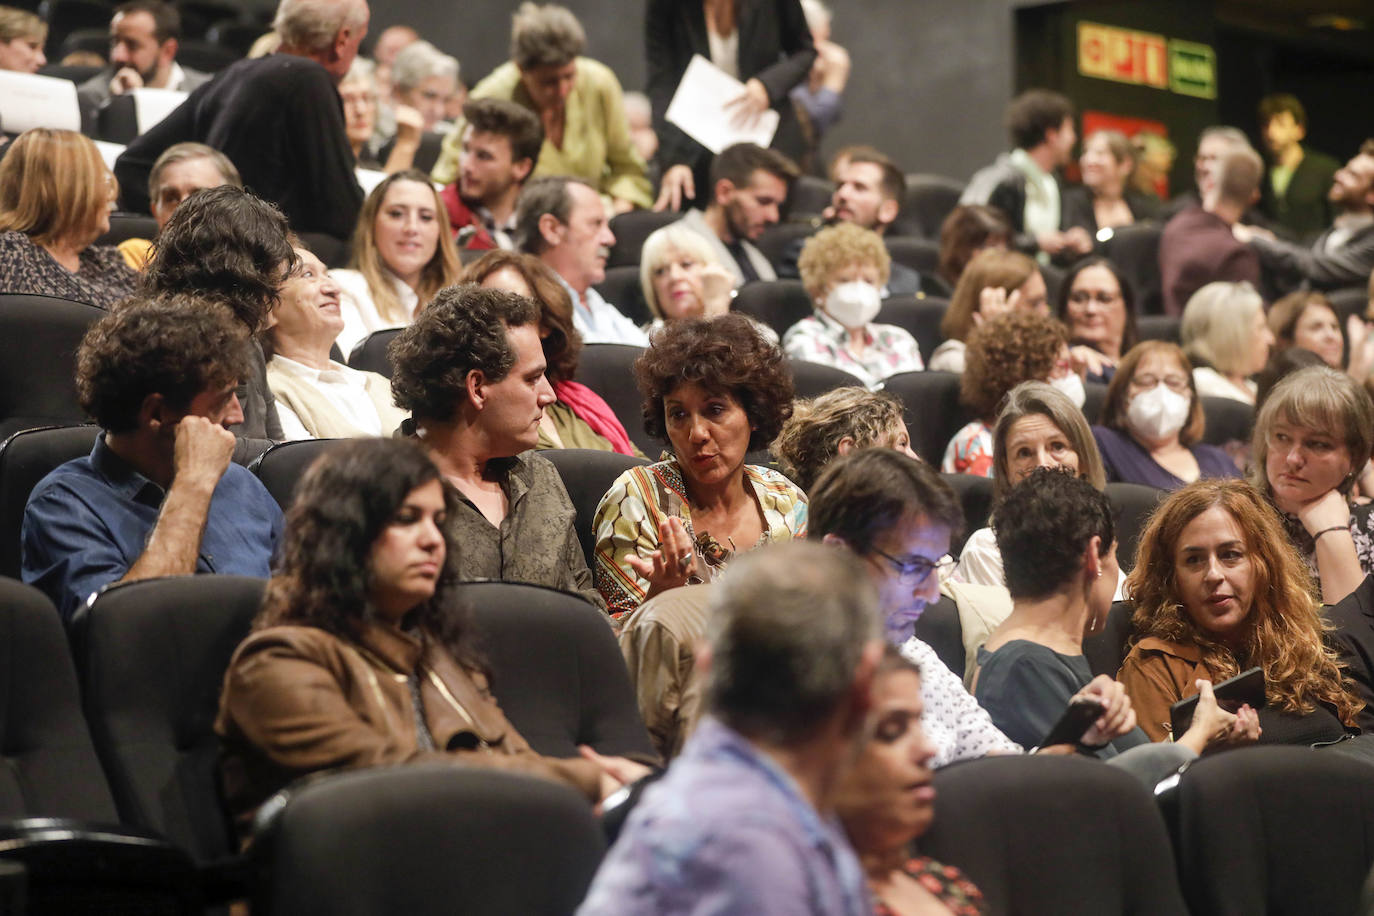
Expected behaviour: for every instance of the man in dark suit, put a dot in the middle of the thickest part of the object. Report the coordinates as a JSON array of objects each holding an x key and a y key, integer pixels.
[
  {"x": 1341, "y": 256},
  {"x": 1294, "y": 191}
]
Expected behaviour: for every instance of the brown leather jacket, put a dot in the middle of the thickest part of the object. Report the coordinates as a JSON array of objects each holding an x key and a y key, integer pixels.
[
  {"x": 1157, "y": 674},
  {"x": 297, "y": 700}
]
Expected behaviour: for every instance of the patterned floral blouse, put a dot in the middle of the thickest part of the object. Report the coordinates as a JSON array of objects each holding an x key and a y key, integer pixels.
[
  {"x": 887, "y": 349},
  {"x": 947, "y": 884},
  {"x": 970, "y": 451},
  {"x": 628, "y": 517},
  {"x": 1361, "y": 529},
  {"x": 104, "y": 280}
]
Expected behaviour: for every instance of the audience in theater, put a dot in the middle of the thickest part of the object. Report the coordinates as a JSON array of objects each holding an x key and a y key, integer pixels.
[
  {"x": 158, "y": 495},
  {"x": 1198, "y": 246},
  {"x": 1059, "y": 542},
  {"x": 844, "y": 269},
  {"x": 470, "y": 370},
  {"x": 578, "y": 101},
  {"x": 835, "y": 424},
  {"x": 994, "y": 282},
  {"x": 1152, "y": 422},
  {"x": 22, "y": 36},
  {"x": 1343, "y": 254},
  {"x": 1217, "y": 590},
  {"x": 499, "y": 148},
  {"x": 1038, "y": 427},
  {"x": 179, "y": 171},
  {"x": 1295, "y": 190},
  {"x": 1023, "y": 183},
  {"x": 578, "y": 417},
  {"x": 1225, "y": 334},
  {"x": 277, "y": 118},
  {"x": 1097, "y": 304},
  {"x": 402, "y": 256},
  {"x": 316, "y": 397},
  {"x": 56, "y": 194},
  {"x": 769, "y": 49},
  {"x": 355, "y": 659},
  {"x": 144, "y": 38},
  {"x": 1312, "y": 441},
  {"x": 744, "y": 814},
  {"x": 966, "y": 231},
  {"x": 228, "y": 246},
  {"x": 713, "y": 390},
  {"x": 1019, "y": 346},
  {"x": 747, "y": 190},
  {"x": 1306, "y": 319},
  {"x": 681, "y": 277},
  {"x": 563, "y": 222},
  {"x": 1106, "y": 198}
]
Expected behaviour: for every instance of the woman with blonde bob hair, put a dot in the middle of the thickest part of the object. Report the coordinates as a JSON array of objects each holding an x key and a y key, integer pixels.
[
  {"x": 22, "y": 35},
  {"x": 1218, "y": 589},
  {"x": 402, "y": 255},
  {"x": 56, "y": 194},
  {"x": 995, "y": 281},
  {"x": 681, "y": 276},
  {"x": 1226, "y": 336},
  {"x": 837, "y": 423},
  {"x": 1312, "y": 440}
]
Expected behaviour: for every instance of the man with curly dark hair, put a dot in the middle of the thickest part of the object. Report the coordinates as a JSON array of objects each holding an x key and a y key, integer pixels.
[
  {"x": 158, "y": 495},
  {"x": 470, "y": 370}
]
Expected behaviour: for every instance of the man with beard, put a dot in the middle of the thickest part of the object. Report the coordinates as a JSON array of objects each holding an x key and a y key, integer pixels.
[
  {"x": 748, "y": 186},
  {"x": 562, "y": 221},
  {"x": 1343, "y": 255},
  {"x": 144, "y": 35},
  {"x": 500, "y": 148}
]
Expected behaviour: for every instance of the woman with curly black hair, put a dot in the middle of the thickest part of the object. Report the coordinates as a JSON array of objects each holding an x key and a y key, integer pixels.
[
  {"x": 714, "y": 390},
  {"x": 355, "y": 659}
]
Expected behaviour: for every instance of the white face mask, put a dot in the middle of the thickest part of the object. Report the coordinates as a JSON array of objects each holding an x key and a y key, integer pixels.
[
  {"x": 1071, "y": 386},
  {"x": 1158, "y": 413},
  {"x": 854, "y": 304}
]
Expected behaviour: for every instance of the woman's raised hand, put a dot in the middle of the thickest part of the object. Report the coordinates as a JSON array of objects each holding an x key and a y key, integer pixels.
[
  {"x": 716, "y": 285},
  {"x": 672, "y": 564},
  {"x": 1118, "y": 717}
]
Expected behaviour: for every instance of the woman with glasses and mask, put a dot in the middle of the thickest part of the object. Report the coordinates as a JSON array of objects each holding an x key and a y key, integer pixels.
[{"x": 1152, "y": 422}]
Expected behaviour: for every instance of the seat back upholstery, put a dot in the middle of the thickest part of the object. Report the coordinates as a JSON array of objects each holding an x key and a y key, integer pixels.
[
  {"x": 1132, "y": 504},
  {"x": 940, "y": 628},
  {"x": 630, "y": 230},
  {"x": 556, "y": 669},
  {"x": 1058, "y": 836},
  {"x": 1106, "y": 649},
  {"x": 933, "y": 413},
  {"x": 918, "y": 317},
  {"x": 929, "y": 198},
  {"x": 920, "y": 254},
  {"x": 26, "y": 458},
  {"x": 1135, "y": 252},
  {"x": 429, "y": 840},
  {"x": 975, "y": 499},
  {"x": 370, "y": 353},
  {"x": 281, "y": 467},
  {"x": 152, "y": 656},
  {"x": 777, "y": 303},
  {"x": 608, "y": 369},
  {"x": 621, "y": 289},
  {"x": 38, "y": 340},
  {"x": 810, "y": 380},
  {"x": 1226, "y": 420},
  {"x": 49, "y": 764},
  {"x": 587, "y": 474}
]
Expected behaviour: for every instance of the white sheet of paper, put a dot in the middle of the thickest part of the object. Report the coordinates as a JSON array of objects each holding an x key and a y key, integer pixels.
[
  {"x": 698, "y": 107},
  {"x": 152, "y": 105},
  {"x": 109, "y": 152},
  {"x": 29, "y": 100}
]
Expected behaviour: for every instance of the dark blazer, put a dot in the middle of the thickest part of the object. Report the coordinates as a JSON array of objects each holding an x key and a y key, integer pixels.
[
  {"x": 1076, "y": 207},
  {"x": 1303, "y": 209},
  {"x": 1287, "y": 265},
  {"x": 1353, "y": 639},
  {"x": 774, "y": 46}
]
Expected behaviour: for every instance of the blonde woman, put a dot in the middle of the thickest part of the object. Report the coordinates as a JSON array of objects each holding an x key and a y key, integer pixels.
[
  {"x": 681, "y": 276},
  {"x": 1226, "y": 336},
  {"x": 56, "y": 194},
  {"x": 402, "y": 255},
  {"x": 22, "y": 35}
]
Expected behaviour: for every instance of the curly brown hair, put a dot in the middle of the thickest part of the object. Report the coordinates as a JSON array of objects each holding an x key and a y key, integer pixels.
[
  {"x": 176, "y": 346},
  {"x": 810, "y": 439},
  {"x": 461, "y": 331},
  {"x": 725, "y": 355},
  {"x": 1016, "y": 347},
  {"x": 562, "y": 343},
  {"x": 323, "y": 576},
  {"x": 1284, "y": 629}
]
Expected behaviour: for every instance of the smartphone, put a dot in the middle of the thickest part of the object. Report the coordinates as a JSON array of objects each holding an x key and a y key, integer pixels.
[
  {"x": 1232, "y": 693},
  {"x": 1074, "y": 723}
]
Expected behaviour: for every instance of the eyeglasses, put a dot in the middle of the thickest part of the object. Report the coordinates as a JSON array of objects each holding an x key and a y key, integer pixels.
[
  {"x": 913, "y": 571},
  {"x": 1177, "y": 383},
  {"x": 1101, "y": 297}
]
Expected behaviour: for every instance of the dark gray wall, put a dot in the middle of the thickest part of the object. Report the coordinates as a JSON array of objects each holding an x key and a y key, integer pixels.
[{"x": 929, "y": 82}]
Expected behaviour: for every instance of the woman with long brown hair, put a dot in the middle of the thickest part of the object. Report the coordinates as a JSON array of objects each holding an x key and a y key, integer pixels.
[{"x": 1218, "y": 589}]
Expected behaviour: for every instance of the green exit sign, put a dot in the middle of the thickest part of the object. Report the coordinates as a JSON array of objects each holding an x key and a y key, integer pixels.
[{"x": 1192, "y": 69}]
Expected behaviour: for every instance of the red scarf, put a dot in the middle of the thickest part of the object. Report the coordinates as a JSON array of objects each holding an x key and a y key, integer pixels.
[{"x": 596, "y": 413}]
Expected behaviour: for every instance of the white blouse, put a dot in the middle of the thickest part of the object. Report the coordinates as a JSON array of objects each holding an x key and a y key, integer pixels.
[
  {"x": 360, "y": 313},
  {"x": 959, "y": 728}
]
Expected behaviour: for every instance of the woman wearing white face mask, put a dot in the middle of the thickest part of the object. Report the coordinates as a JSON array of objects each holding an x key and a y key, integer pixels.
[
  {"x": 1152, "y": 421},
  {"x": 844, "y": 269}
]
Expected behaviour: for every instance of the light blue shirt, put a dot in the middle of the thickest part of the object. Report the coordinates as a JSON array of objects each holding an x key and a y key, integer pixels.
[{"x": 600, "y": 322}]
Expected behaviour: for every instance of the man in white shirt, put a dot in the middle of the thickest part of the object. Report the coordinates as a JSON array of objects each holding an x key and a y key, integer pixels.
[{"x": 562, "y": 221}]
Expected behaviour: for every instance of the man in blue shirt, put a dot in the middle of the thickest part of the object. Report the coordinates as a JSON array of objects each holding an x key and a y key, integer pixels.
[
  {"x": 158, "y": 495},
  {"x": 741, "y": 823}
]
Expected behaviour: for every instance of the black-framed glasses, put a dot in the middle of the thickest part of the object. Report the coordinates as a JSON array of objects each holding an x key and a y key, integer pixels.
[{"x": 913, "y": 571}]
